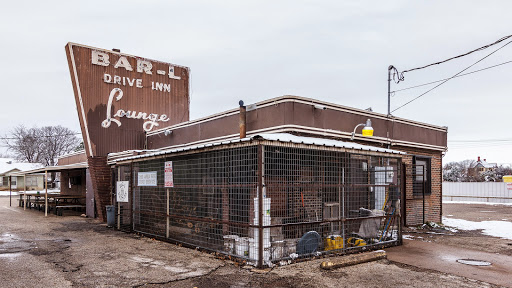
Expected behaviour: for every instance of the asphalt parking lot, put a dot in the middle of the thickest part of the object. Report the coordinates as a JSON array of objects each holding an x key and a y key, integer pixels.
[{"x": 73, "y": 251}]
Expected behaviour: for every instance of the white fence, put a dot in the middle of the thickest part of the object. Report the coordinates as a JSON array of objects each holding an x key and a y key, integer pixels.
[{"x": 494, "y": 192}]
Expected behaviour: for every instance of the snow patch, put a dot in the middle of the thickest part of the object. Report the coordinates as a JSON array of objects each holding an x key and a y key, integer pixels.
[
  {"x": 475, "y": 202},
  {"x": 499, "y": 229},
  {"x": 408, "y": 237}
]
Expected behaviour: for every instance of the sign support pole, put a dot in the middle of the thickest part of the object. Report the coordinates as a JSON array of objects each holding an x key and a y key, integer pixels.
[
  {"x": 167, "y": 226},
  {"x": 25, "y": 192}
]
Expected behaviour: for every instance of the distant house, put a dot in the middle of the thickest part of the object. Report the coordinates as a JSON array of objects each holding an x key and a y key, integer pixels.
[
  {"x": 482, "y": 166},
  {"x": 9, "y": 169}
]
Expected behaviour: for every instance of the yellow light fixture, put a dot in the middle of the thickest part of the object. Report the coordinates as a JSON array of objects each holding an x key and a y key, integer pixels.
[{"x": 367, "y": 129}]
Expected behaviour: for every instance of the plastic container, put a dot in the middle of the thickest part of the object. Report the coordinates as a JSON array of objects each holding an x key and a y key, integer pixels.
[
  {"x": 290, "y": 247},
  {"x": 266, "y": 236},
  {"x": 242, "y": 246},
  {"x": 229, "y": 243},
  {"x": 266, "y": 207},
  {"x": 111, "y": 215},
  {"x": 277, "y": 248},
  {"x": 266, "y": 221},
  {"x": 333, "y": 242},
  {"x": 253, "y": 251}
]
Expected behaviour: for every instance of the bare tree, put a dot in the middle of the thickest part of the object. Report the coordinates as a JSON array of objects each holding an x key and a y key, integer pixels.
[
  {"x": 41, "y": 145},
  {"x": 56, "y": 141},
  {"x": 23, "y": 143}
]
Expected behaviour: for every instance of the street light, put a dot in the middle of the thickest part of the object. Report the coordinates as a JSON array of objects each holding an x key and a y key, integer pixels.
[{"x": 367, "y": 129}]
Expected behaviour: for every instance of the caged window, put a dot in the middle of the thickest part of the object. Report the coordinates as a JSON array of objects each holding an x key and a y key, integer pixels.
[{"x": 421, "y": 176}]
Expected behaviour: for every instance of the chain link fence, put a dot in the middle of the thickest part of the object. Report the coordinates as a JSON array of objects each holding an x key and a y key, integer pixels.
[{"x": 314, "y": 200}]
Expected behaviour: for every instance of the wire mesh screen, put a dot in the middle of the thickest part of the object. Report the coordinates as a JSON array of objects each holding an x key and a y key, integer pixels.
[
  {"x": 329, "y": 201},
  {"x": 314, "y": 201},
  {"x": 123, "y": 208}
]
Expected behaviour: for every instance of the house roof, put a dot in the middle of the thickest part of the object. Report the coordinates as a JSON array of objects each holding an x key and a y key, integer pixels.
[
  {"x": 81, "y": 165},
  {"x": 8, "y": 165},
  {"x": 486, "y": 164},
  {"x": 278, "y": 137}
]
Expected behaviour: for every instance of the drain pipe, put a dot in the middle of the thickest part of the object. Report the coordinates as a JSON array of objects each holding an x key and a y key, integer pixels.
[{"x": 242, "y": 121}]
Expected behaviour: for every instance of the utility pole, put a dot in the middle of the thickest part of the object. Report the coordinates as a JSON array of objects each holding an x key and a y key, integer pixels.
[{"x": 389, "y": 88}]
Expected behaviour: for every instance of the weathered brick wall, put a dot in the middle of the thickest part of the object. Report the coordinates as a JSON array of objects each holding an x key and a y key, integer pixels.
[
  {"x": 433, "y": 202},
  {"x": 101, "y": 178}
]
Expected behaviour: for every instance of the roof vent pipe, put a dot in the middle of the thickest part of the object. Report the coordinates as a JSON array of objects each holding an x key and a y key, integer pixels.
[{"x": 242, "y": 120}]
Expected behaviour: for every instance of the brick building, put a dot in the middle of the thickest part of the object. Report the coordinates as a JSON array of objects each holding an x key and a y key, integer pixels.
[{"x": 263, "y": 182}]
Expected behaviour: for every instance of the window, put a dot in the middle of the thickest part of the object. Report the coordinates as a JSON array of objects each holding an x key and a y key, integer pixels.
[
  {"x": 31, "y": 181},
  {"x": 421, "y": 176},
  {"x": 5, "y": 181}
]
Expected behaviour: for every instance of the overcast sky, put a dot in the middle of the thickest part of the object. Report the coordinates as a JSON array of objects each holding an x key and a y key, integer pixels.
[{"x": 335, "y": 51}]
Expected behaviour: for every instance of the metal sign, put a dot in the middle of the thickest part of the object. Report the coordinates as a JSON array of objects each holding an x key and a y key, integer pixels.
[
  {"x": 122, "y": 191},
  {"x": 169, "y": 179},
  {"x": 120, "y": 96},
  {"x": 147, "y": 179}
]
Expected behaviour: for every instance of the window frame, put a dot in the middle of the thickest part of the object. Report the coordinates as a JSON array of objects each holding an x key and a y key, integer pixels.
[{"x": 428, "y": 176}]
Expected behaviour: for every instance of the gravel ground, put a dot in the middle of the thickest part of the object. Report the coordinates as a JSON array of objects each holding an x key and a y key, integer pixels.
[{"x": 72, "y": 251}]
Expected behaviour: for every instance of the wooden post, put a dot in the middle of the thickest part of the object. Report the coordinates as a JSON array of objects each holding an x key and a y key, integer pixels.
[
  {"x": 25, "y": 192},
  {"x": 167, "y": 226},
  {"x": 10, "y": 191},
  {"x": 46, "y": 194}
]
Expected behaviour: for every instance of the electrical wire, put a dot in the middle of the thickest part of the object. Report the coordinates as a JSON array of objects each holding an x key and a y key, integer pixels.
[
  {"x": 421, "y": 95},
  {"x": 480, "y": 140},
  {"x": 44, "y": 136},
  {"x": 433, "y": 82},
  {"x": 400, "y": 76}
]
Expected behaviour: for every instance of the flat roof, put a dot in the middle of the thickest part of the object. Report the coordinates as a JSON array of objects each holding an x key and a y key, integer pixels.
[
  {"x": 278, "y": 137},
  {"x": 54, "y": 168}
]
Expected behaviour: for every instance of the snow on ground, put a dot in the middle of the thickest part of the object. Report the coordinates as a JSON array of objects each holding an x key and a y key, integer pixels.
[
  {"x": 500, "y": 229},
  {"x": 408, "y": 237},
  {"x": 14, "y": 193},
  {"x": 475, "y": 202}
]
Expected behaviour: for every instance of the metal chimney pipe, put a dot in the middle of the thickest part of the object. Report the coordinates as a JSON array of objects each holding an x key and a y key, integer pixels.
[{"x": 242, "y": 121}]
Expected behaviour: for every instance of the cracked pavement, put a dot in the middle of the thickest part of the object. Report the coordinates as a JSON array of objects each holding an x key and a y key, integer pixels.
[
  {"x": 74, "y": 251},
  {"x": 71, "y": 251}
]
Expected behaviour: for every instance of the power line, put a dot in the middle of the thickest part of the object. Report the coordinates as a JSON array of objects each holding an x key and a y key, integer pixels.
[
  {"x": 44, "y": 136},
  {"x": 421, "y": 95},
  {"x": 481, "y": 140},
  {"x": 465, "y": 74},
  {"x": 459, "y": 56}
]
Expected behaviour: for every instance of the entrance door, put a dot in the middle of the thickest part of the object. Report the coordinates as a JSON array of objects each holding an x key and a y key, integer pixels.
[{"x": 14, "y": 181}]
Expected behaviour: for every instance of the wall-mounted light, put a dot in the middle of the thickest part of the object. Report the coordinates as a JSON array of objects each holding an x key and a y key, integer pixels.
[{"x": 367, "y": 129}]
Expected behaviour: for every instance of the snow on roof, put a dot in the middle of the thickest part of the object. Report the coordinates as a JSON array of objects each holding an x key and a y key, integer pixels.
[
  {"x": 8, "y": 164},
  {"x": 485, "y": 164},
  {"x": 280, "y": 137},
  {"x": 285, "y": 137}
]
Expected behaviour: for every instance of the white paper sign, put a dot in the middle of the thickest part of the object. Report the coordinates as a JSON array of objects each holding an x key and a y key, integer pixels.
[
  {"x": 122, "y": 191},
  {"x": 147, "y": 179},
  {"x": 169, "y": 180}
]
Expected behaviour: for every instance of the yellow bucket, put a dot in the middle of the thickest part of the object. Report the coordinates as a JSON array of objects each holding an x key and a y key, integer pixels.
[{"x": 333, "y": 242}]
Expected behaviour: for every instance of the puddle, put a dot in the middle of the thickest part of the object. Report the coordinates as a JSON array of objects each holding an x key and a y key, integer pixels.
[{"x": 474, "y": 262}]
